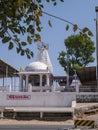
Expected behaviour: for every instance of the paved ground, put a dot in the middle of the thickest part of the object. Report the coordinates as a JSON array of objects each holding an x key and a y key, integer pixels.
[
  {"x": 87, "y": 107},
  {"x": 34, "y": 122},
  {"x": 81, "y": 105},
  {"x": 34, "y": 127}
]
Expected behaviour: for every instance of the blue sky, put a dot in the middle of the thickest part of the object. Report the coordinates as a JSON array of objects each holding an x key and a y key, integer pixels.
[{"x": 80, "y": 12}]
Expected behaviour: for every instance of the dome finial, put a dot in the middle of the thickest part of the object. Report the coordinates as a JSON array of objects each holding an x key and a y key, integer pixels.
[{"x": 42, "y": 46}]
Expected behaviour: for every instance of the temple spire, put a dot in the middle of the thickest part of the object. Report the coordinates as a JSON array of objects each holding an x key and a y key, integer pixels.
[{"x": 43, "y": 55}]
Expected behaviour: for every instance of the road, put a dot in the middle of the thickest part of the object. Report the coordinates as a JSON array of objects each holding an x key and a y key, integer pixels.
[{"x": 34, "y": 127}]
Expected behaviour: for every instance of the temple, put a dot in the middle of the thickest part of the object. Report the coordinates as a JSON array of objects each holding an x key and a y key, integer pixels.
[
  {"x": 38, "y": 75},
  {"x": 35, "y": 89}
]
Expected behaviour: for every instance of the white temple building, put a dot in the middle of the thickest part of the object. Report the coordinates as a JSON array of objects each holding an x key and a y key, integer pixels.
[
  {"x": 37, "y": 76},
  {"x": 36, "y": 92}
]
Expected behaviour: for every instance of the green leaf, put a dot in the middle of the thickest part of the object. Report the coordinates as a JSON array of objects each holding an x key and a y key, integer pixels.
[
  {"x": 40, "y": 13},
  {"x": 17, "y": 30},
  {"x": 85, "y": 36},
  {"x": 75, "y": 27},
  {"x": 54, "y": 3},
  {"x": 22, "y": 52},
  {"x": 28, "y": 56},
  {"x": 6, "y": 39},
  {"x": 29, "y": 40},
  {"x": 11, "y": 45},
  {"x": 20, "y": 2},
  {"x": 37, "y": 37},
  {"x": 28, "y": 20},
  {"x": 31, "y": 54},
  {"x": 84, "y": 30},
  {"x": 39, "y": 1},
  {"x": 90, "y": 33},
  {"x": 38, "y": 21},
  {"x": 2, "y": 34},
  {"x": 67, "y": 27},
  {"x": 28, "y": 53},
  {"x": 23, "y": 43},
  {"x": 48, "y": 0},
  {"x": 38, "y": 29},
  {"x": 18, "y": 50},
  {"x": 49, "y": 22},
  {"x": 62, "y": 0}
]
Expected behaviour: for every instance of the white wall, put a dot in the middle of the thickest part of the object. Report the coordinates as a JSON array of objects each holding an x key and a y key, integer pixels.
[{"x": 37, "y": 99}]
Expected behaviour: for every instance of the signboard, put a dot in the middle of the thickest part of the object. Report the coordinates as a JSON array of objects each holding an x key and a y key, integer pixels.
[{"x": 18, "y": 97}]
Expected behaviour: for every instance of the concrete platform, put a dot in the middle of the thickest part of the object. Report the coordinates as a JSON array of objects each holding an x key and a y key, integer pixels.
[
  {"x": 40, "y": 109},
  {"x": 41, "y": 112}
]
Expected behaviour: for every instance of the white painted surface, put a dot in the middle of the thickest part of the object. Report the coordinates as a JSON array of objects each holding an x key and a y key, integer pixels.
[
  {"x": 36, "y": 66},
  {"x": 38, "y": 99},
  {"x": 73, "y": 104},
  {"x": 40, "y": 109},
  {"x": 87, "y": 93}
]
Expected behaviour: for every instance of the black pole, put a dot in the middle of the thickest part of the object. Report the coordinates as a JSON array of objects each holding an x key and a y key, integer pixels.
[{"x": 96, "y": 9}]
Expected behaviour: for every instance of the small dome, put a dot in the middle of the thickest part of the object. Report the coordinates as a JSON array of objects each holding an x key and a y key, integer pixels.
[{"x": 36, "y": 66}]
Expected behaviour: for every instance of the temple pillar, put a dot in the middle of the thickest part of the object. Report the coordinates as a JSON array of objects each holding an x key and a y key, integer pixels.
[
  {"x": 48, "y": 80},
  {"x": 20, "y": 83},
  {"x": 41, "y": 82},
  {"x": 77, "y": 89},
  {"x": 26, "y": 87}
]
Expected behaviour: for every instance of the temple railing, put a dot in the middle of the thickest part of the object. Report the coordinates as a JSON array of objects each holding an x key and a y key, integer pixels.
[
  {"x": 88, "y": 88},
  {"x": 79, "y": 89},
  {"x": 37, "y": 89},
  {"x": 5, "y": 88},
  {"x": 51, "y": 89}
]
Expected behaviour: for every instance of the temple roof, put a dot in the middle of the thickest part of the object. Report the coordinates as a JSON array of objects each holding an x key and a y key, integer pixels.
[
  {"x": 36, "y": 66},
  {"x": 87, "y": 75},
  {"x": 7, "y": 70}
]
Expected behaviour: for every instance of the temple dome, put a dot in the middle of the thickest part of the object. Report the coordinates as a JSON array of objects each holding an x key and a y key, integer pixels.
[{"x": 36, "y": 66}]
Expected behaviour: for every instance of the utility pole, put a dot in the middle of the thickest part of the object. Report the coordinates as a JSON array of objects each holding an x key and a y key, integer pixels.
[
  {"x": 67, "y": 69},
  {"x": 96, "y": 9}
]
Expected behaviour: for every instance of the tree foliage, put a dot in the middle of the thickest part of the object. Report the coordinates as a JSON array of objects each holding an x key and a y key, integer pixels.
[
  {"x": 78, "y": 53},
  {"x": 20, "y": 17},
  {"x": 23, "y": 18}
]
